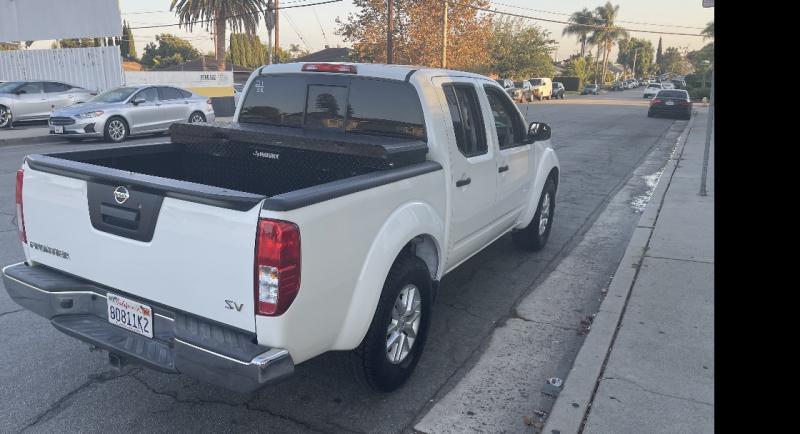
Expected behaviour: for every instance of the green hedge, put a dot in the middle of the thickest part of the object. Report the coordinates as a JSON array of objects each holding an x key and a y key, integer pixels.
[{"x": 697, "y": 93}]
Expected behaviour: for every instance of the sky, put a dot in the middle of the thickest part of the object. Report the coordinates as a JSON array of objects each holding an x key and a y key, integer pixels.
[{"x": 314, "y": 27}]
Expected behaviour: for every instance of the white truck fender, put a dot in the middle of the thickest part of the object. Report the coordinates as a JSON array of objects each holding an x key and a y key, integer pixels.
[
  {"x": 547, "y": 161},
  {"x": 408, "y": 221}
]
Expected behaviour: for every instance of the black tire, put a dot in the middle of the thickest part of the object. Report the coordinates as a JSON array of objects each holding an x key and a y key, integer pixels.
[
  {"x": 371, "y": 358},
  {"x": 193, "y": 117},
  {"x": 111, "y": 128},
  {"x": 649, "y": 114},
  {"x": 6, "y": 118},
  {"x": 530, "y": 238}
]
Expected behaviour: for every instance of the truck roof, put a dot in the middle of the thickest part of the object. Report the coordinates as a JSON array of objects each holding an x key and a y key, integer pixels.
[{"x": 378, "y": 70}]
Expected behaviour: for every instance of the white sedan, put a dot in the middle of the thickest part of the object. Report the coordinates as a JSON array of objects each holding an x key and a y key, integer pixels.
[{"x": 651, "y": 90}]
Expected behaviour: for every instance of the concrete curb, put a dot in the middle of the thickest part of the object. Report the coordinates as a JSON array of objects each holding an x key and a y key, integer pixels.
[{"x": 574, "y": 400}]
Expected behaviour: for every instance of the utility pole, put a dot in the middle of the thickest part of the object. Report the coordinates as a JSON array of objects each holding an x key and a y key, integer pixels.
[
  {"x": 390, "y": 34},
  {"x": 444, "y": 37},
  {"x": 269, "y": 19},
  {"x": 277, "y": 29}
]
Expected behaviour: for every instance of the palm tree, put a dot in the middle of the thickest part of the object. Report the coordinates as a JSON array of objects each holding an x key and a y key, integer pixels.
[
  {"x": 708, "y": 32},
  {"x": 609, "y": 33},
  {"x": 580, "y": 26},
  {"x": 218, "y": 14}
]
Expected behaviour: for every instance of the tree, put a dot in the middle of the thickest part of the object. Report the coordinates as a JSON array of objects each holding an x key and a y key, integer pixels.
[
  {"x": 247, "y": 50},
  {"x": 640, "y": 49},
  {"x": 418, "y": 32},
  {"x": 6, "y": 46},
  {"x": 171, "y": 50},
  {"x": 674, "y": 62},
  {"x": 581, "y": 23},
  {"x": 708, "y": 32},
  {"x": 240, "y": 15},
  {"x": 127, "y": 46},
  {"x": 578, "y": 66},
  {"x": 74, "y": 43},
  {"x": 659, "y": 53},
  {"x": 609, "y": 33},
  {"x": 520, "y": 50}
]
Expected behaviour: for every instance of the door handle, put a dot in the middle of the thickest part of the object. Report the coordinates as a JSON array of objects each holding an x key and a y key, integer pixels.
[
  {"x": 502, "y": 169},
  {"x": 463, "y": 182}
]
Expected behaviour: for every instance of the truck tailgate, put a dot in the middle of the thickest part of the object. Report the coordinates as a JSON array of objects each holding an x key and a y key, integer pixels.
[{"x": 182, "y": 254}]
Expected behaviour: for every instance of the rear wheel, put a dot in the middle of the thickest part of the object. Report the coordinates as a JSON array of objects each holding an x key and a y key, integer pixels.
[
  {"x": 116, "y": 130},
  {"x": 396, "y": 337},
  {"x": 534, "y": 237},
  {"x": 196, "y": 117},
  {"x": 5, "y": 117}
]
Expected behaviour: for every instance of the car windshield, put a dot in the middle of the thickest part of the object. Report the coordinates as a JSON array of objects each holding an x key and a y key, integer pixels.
[
  {"x": 518, "y": 84},
  {"x": 9, "y": 87},
  {"x": 536, "y": 82},
  {"x": 119, "y": 94},
  {"x": 673, "y": 94},
  {"x": 655, "y": 86}
]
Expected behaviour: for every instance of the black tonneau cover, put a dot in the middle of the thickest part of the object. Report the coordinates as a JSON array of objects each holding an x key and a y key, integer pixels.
[{"x": 392, "y": 152}]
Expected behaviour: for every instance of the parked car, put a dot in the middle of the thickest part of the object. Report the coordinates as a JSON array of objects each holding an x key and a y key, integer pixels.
[
  {"x": 651, "y": 90},
  {"x": 667, "y": 85},
  {"x": 35, "y": 100},
  {"x": 129, "y": 111},
  {"x": 671, "y": 102},
  {"x": 679, "y": 84},
  {"x": 215, "y": 254},
  {"x": 527, "y": 90},
  {"x": 558, "y": 90},
  {"x": 591, "y": 89},
  {"x": 511, "y": 90},
  {"x": 237, "y": 93},
  {"x": 618, "y": 86},
  {"x": 542, "y": 88}
]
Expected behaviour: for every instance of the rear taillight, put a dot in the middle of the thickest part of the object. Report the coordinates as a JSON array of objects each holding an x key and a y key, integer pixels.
[
  {"x": 93, "y": 93},
  {"x": 329, "y": 67},
  {"x": 208, "y": 101},
  {"x": 20, "y": 215},
  {"x": 655, "y": 101},
  {"x": 277, "y": 267}
]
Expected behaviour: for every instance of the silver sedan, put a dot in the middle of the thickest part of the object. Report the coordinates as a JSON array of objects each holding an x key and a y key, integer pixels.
[
  {"x": 35, "y": 100},
  {"x": 131, "y": 110}
]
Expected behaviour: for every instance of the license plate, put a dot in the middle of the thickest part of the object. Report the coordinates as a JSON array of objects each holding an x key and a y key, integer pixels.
[
  {"x": 58, "y": 129},
  {"x": 670, "y": 102},
  {"x": 130, "y": 315}
]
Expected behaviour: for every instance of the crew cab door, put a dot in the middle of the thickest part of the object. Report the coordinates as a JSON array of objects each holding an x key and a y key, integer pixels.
[
  {"x": 473, "y": 167},
  {"x": 146, "y": 116},
  {"x": 515, "y": 165}
]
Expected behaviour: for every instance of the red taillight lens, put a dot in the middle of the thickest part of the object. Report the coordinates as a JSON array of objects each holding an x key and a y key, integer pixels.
[
  {"x": 277, "y": 268},
  {"x": 208, "y": 101},
  {"x": 20, "y": 215},
  {"x": 329, "y": 67},
  {"x": 655, "y": 101}
]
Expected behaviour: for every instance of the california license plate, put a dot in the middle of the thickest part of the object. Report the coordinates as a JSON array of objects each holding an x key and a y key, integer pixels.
[
  {"x": 130, "y": 315},
  {"x": 670, "y": 102},
  {"x": 58, "y": 129}
]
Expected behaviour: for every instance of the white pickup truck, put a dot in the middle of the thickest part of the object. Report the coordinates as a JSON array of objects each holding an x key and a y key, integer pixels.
[{"x": 322, "y": 219}]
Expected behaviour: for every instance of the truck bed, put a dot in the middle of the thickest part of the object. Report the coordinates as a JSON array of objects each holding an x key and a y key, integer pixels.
[{"x": 241, "y": 163}]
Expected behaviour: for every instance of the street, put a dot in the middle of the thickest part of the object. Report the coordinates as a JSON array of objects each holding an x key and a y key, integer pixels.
[{"x": 605, "y": 144}]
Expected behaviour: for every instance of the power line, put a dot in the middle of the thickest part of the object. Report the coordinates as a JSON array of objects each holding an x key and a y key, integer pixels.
[
  {"x": 494, "y": 11},
  {"x": 296, "y": 30},
  {"x": 303, "y": 5},
  {"x": 619, "y": 21},
  {"x": 324, "y": 37}
]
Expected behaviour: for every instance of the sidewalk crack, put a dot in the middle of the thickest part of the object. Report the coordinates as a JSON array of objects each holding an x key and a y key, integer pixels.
[
  {"x": 12, "y": 311},
  {"x": 666, "y": 395},
  {"x": 680, "y": 259}
]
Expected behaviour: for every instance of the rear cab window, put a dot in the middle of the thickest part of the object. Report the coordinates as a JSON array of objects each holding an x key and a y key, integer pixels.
[{"x": 359, "y": 105}]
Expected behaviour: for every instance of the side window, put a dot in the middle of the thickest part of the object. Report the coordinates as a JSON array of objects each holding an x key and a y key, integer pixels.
[
  {"x": 150, "y": 94},
  {"x": 168, "y": 93},
  {"x": 185, "y": 93},
  {"x": 462, "y": 100},
  {"x": 55, "y": 87},
  {"x": 30, "y": 88},
  {"x": 509, "y": 126}
]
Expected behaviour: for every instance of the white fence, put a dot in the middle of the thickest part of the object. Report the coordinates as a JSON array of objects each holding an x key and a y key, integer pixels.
[{"x": 93, "y": 68}]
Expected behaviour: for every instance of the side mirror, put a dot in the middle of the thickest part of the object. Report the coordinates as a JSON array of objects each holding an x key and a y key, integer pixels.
[
  {"x": 138, "y": 101},
  {"x": 537, "y": 131}
]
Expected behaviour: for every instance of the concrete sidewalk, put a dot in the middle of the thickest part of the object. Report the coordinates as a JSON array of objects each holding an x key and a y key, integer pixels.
[{"x": 648, "y": 363}]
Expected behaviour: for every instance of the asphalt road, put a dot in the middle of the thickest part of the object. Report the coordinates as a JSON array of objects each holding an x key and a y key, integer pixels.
[{"x": 52, "y": 382}]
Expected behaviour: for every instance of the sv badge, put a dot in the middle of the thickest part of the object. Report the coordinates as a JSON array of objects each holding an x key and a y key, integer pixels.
[{"x": 230, "y": 304}]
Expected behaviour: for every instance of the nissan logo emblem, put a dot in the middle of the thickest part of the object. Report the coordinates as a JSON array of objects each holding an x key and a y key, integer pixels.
[{"x": 121, "y": 194}]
